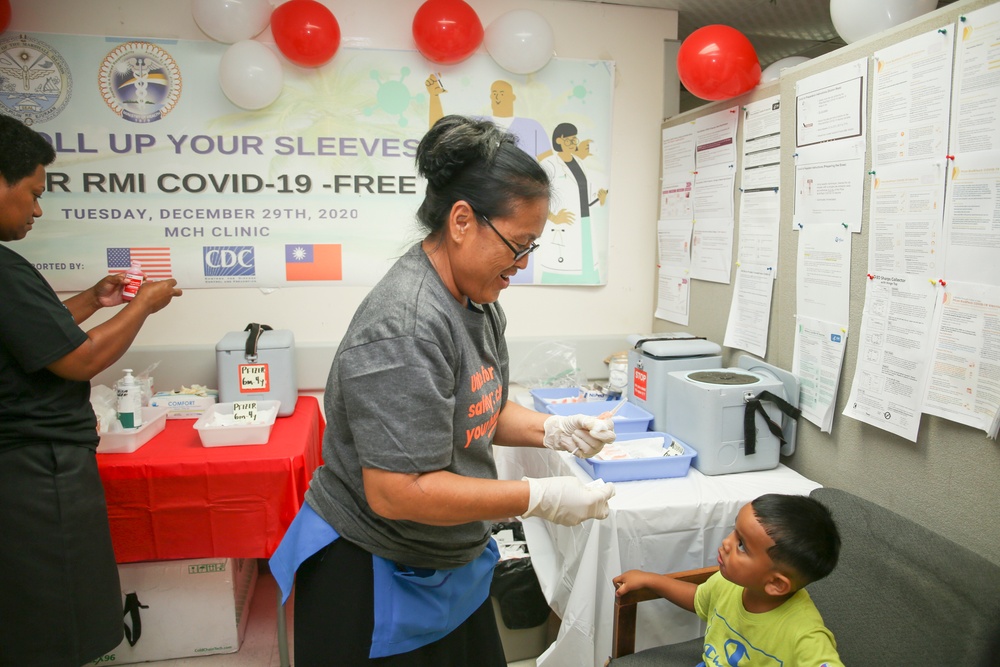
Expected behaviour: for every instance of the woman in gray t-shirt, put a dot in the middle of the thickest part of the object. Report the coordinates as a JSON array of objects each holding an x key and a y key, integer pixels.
[{"x": 417, "y": 396}]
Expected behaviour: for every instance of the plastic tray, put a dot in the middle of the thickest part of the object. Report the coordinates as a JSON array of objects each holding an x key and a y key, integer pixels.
[
  {"x": 217, "y": 435},
  {"x": 630, "y": 418},
  {"x": 129, "y": 440},
  {"x": 629, "y": 470},
  {"x": 544, "y": 396}
]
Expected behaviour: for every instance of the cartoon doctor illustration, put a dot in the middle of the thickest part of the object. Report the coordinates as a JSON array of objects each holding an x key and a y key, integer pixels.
[{"x": 566, "y": 252}]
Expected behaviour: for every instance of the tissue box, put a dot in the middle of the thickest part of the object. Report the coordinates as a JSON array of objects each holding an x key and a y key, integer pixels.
[
  {"x": 183, "y": 406},
  {"x": 179, "y": 608}
]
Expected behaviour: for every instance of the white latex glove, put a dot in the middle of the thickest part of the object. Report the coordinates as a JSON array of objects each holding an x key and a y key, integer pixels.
[
  {"x": 567, "y": 500},
  {"x": 581, "y": 435}
]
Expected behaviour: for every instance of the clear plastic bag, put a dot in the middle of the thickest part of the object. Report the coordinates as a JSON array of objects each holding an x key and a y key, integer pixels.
[{"x": 549, "y": 364}]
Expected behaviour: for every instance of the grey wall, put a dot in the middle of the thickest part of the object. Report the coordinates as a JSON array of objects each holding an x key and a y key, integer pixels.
[{"x": 949, "y": 480}]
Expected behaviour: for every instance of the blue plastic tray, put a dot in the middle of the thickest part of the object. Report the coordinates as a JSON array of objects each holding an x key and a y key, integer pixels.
[
  {"x": 630, "y": 419},
  {"x": 629, "y": 470},
  {"x": 543, "y": 397}
]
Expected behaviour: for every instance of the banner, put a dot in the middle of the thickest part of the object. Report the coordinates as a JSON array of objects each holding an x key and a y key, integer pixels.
[{"x": 153, "y": 161}]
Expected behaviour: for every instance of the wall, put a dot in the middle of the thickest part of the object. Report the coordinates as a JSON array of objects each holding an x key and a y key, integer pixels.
[
  {"x": 947, "y": 480},
  {"x": 632, "y": 37}
]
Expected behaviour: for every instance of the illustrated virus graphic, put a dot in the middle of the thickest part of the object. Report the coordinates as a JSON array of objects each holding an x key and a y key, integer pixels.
[
  {"x": 393, "y": 97},
  {"x": 578, "y": 91}
]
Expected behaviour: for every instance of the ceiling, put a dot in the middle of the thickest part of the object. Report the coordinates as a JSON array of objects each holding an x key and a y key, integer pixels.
[{"x": 776, "y": 28}]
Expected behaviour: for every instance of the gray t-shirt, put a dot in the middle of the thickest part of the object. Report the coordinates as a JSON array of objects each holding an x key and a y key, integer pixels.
[{"x": 416, "y": 386}]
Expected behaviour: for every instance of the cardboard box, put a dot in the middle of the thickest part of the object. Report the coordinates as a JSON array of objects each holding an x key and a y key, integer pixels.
[
  {"x": 180, "y": 608},
  {"x": 183, "y": 406}
]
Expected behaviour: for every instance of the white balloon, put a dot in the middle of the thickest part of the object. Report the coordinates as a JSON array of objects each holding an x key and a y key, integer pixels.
[
  {"x": 231, "y": 21},
  {"x": 250, "y": 75},
  {"x": 520, "y": 41},
  {"x": 773, "y": 71},
  {"x": 857, "y": 19}
]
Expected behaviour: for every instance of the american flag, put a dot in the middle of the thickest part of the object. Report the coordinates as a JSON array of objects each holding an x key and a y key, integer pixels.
[{"x": 155, "y": 261}]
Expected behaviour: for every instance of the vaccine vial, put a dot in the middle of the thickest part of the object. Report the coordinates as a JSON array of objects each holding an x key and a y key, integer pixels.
[{"x": 133, "y": 281}]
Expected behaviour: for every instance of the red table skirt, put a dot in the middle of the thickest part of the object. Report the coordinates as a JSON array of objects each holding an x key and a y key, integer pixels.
[{"x": 173, "y": 498}]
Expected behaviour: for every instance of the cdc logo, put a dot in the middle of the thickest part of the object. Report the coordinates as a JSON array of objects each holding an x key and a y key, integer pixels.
[{"x": 228, "y": 261}]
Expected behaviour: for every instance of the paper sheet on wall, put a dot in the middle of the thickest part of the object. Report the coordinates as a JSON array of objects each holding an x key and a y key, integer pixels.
[
  {"x": 971, "y": 220},
  {"x": 829, "y": 187},
  {"x": 712, "y": 250},
  {"x": 831, "y": 106},
  {"x": 716, "y": 140},
  {"x": 760, "y": 202},
  {"x": 964, "y": 384},
  {"x": 893, "y": 350},
  {"x": 750, "y": 310},
  {"x": 822, "y": 279},
  {"x": 911, "y": 87},
  {"x": 816, "y": 361},
  {"x": 673, "y": 242},
  {"x": 759, "y": 224},
  {"x": 672, "y": 295},
  {"x": 677, "y": 175},
  {"x": 975, "y": 116},
  {"x": 905, "y": 219}
]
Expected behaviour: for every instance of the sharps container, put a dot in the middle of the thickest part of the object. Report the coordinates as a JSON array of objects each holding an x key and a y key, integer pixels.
[{"x": 258, "y": 363}]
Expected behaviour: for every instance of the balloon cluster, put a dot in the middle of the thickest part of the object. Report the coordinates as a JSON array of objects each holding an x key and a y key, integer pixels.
[
  {"x": 307, "y": 34},
  {"x": 250, "y": 73},
  {"x": 717, "y": 62}
]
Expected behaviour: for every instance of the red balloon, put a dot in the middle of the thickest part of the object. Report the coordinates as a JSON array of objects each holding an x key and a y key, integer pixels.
[
  {"x": 447, "y": 31},
  {"x": 717, "y": 62},
  {"x": 306, "y": 32},
  {"x": 4, "y": 14}
]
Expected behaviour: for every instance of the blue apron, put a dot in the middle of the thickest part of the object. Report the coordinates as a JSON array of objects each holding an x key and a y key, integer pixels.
[{"x": 413, "y": 606}]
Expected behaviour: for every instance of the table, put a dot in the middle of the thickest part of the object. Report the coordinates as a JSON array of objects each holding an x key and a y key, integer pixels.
[
  {"x": 663, "y": 525},
  {"x": 173, "y": 498}
]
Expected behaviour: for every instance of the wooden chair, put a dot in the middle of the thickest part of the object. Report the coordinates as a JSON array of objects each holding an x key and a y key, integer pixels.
[{"x": 623, "y": 634}]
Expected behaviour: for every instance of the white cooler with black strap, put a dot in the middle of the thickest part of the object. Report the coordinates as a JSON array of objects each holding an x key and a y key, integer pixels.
[
  {"x": 258, "y": 363},
  {"x": 737, "y": 419}
]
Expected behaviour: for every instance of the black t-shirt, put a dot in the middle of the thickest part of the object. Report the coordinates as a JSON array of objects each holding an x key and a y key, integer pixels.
[{"x": 36, "y": 329}]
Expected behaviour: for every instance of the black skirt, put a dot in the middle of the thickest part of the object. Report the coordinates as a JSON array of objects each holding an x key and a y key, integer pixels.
[
  {"x": 60, "y": 598},
  {"x": 335, "y": 617}
]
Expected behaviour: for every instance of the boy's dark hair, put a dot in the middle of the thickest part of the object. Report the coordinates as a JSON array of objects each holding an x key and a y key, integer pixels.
[
  {"x": 23, "y": 150},
  {"x": 806, "y": 539}
]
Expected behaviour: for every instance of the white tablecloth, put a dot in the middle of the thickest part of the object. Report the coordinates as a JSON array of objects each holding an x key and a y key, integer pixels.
[{"x": 662, "y": 525}]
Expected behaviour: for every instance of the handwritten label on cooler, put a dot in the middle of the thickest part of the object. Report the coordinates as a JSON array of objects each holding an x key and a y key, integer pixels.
[
  {"x": 245, "y": 411},
  {"x": 254, "y": 378}
]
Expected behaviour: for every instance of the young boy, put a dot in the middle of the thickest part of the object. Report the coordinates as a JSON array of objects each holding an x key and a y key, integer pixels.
[{"x": 756, "y": 606}]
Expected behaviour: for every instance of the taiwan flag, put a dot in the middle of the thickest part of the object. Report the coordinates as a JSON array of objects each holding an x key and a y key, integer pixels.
[{"x": 313, "y": 261}]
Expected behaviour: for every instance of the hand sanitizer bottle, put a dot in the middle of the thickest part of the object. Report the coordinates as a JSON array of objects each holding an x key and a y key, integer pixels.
[
  {"x": 129, "y": 401},
  {"x": 133, "y": 281}
]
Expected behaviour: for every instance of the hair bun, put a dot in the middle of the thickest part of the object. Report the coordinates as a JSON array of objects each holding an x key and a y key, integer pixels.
[{"x": 454, "y": 143}]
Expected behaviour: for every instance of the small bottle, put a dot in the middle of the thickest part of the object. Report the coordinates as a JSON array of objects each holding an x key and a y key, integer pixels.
[
  {"x": 133, "y": 281},
  {"x": 129, "y": 401}
]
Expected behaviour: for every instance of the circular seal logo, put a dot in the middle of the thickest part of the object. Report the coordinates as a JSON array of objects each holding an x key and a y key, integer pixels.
[
  {"x": 140, "y": 82},
  {"x": 35, "y": 81}
]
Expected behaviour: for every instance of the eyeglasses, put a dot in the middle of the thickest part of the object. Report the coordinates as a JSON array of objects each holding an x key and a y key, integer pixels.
[{"x": 518, "y": 254}]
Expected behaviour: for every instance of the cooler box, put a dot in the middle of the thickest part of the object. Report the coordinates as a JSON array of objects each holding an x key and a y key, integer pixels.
[
  {"x": 653, "y": 356},
  {"x": 707, "y": 410},
  {"x": 267, "y": 375},
  {"x": 179, "y": 608}
]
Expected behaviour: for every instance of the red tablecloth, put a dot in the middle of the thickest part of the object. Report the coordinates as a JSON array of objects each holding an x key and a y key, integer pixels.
[{"x": 173, "y": 498}]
